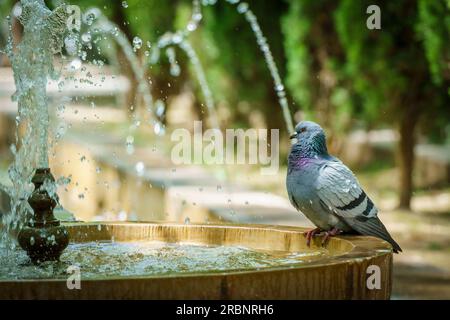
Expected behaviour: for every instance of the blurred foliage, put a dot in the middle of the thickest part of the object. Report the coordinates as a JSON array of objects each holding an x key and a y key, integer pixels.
[
  {"x": 315, "y": 63},
  {"x": 373, "y": 75},
  {"x": 236, "y": 66},
  {"x": 337, "y": 71},
  {"x": 434, "y": 31}
]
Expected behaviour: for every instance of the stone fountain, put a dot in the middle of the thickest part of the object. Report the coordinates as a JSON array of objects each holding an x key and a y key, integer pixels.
[
  {"x": 153, "y": 260},
  {"x": 44, "y": 238}
]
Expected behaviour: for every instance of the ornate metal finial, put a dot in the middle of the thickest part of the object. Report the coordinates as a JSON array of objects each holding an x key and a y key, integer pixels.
[{"x": 44, "y": 239}]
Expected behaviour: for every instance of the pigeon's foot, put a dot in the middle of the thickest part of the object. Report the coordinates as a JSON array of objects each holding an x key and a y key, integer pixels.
[
  {"x": 310, "y": 234},
  {"x": 330, "y": 233}
]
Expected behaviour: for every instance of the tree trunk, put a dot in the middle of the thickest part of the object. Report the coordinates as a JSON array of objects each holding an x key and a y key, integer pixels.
[{"x": 406, "y": 158}]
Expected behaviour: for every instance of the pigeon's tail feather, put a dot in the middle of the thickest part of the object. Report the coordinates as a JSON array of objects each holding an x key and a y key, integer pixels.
[{"x": 374, "y": 227}]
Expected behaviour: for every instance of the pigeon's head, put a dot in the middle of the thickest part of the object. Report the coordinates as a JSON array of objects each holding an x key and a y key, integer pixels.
[{"x": 310, "y": 138}]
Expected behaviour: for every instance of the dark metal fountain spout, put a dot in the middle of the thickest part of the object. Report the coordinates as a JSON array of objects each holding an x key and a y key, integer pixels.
[{"x": 44, "y": 238}]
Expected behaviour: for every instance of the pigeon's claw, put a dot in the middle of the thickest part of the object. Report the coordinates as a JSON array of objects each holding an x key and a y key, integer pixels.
[
  {"x": 310, "y": 234},
  {"x": 330, "y": 233}
]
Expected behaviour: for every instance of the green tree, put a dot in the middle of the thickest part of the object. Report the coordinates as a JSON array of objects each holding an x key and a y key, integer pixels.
[{"x": 396, "y": 75}]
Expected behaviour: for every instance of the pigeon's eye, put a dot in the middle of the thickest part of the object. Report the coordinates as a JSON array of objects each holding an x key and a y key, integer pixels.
[{"x": 302, "y": 129}]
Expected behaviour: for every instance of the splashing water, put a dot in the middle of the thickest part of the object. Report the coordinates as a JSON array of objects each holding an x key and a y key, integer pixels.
[
  {"x": 152, "y": 258},
  {"x": 279, "y": 87},
  {"x": 96, "y": 18},
  {"x": 179, "y": 38},
  {"x": 32, "y": 64},
  {"x": 106, "y": 26}
]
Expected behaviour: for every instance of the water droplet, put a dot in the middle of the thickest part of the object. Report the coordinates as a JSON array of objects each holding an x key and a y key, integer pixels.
[
  {"x": 130, "y": 140},
  {"x": 191, "y": 26},
  {"x": 17, "y": 10},
  {"x": 122, "y": 216},
  {"x": 177, "y": 38},
  {"x": 197, "y": 16},
  {"x": 242, "y": 7},
  {"x": 159, "y": 129},
  {"x": 137, "y": 43},
  {"x": 175, "y": 70},
  {"x": 187, "y": 220},
  {"x": 75, "y": 64},
  {"x": 86, "y": 37},
  {"x": 140, "y": 167},
  {"x": 125, "y": 4},
  {"x": 160, "y": 108},
  {"x": 71, "y": 45}
]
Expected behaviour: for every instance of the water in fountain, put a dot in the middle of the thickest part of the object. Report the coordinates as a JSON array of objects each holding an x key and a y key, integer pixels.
[
  {"x": 32, "y": 63},
  {"x": 152, "y": 258}
]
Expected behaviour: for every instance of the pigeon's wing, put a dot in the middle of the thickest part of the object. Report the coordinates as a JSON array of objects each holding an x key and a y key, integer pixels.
[{"x": 340, "y": 193}]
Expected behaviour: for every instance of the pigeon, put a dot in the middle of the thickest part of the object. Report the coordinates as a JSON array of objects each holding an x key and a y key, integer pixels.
[{"x": 327, "y": 192}]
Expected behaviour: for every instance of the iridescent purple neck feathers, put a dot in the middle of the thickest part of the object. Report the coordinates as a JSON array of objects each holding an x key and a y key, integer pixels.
[{"x": 308, "y": 151}]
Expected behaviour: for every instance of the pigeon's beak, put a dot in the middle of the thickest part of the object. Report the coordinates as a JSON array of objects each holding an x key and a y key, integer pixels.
[{"x": 293, "y": 136}]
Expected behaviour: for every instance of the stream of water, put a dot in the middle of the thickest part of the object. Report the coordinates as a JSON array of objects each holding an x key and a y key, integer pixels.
[{"x": 32, "y": 63}]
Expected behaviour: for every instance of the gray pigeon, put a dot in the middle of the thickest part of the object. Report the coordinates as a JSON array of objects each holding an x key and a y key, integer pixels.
[{"x": 327, "y": 192}]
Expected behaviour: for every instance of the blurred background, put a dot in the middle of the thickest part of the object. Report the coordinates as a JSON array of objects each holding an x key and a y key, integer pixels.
[{"x": 382, "y": 95}]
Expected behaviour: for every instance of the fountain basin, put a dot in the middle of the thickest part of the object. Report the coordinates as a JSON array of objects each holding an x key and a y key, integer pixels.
[{"x": 340, "y": 271}]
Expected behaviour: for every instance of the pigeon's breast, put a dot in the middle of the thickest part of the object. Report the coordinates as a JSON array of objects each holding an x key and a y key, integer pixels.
[
  {"x": 305, "y": 163},
  {"x": 301, "y": 185}
]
